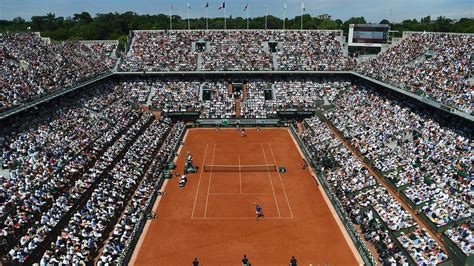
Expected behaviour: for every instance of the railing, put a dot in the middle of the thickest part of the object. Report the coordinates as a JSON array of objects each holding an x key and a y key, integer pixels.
[
  {"x": 124, "y": 259},
  {"x": 359, "y": 244},
  {"x": 459, "y": 257},
  {"x": 33, "y": 101}
]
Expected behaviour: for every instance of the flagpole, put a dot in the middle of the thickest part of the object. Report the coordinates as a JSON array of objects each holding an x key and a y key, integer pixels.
[
  {"x": 189, "y": 24},
  {"x": 207, "y": 21},
  {"x": 284, "y": 14},
  {"x": 225, "y": 16},
  {"x": 266, "y": 14},
  {"x": 302, "y": 6},
  {"x": 171, "y": 23},
  {"x": 248, "y": 7}
]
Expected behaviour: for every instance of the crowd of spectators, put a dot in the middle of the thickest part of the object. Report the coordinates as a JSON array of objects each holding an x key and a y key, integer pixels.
[
  {"x": 177, "y": 96},
  {"x": 347, "y": 177},
  {"x": 137, "y": 210},
  {"x": 311, "y": 50},
  {"x": 361, "y": 196},
  {"x": 107, "y": 49},
  {"x": 242, "y": 50},
  {"x": 32, "y": 67},
  {"x": 288, "y": 95},
  {"x": 162, "y": 51},
  {"x": 435, "y": 65},
  {"x": 45, "y": 158},
  {"x": 237, "y": 51},
  {"x": 422, "y": 247},
  {"x": 88, "y": 227},
  {"x": 461, "y": 235},
  {"x": 411, "y": 150}
]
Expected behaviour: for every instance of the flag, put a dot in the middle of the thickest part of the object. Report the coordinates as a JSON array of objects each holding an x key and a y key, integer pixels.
[
  {"x": 302, "y": 7},
  {"x": 189, "y": 6},
  {"x": 246, "y": 6},
  {"x": 171, "y": 7},
  {"x": 284, "y": 5},
  {"x": 222, "y": 6},
  {"x": 207, "y": 5}
]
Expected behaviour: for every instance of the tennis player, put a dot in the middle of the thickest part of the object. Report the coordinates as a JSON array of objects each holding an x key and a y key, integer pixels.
[
  {"x": 258, "y": 212},
  {"x": 243, "y": 132}
]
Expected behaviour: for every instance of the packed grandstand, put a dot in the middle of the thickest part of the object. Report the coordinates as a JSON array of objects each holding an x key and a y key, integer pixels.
[{"x": 70, "y": 195}]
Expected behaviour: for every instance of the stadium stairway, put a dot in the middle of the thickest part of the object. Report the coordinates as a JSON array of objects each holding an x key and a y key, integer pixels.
[
  {"x": 130, "y": 50},
  {"x": 275, "y": 61},
  {"x": 4, "y": 172},
  {"x": 237, "y": 108},
  {"x": 199, "y": 62},
  {"x": 419, "y": 60},
  {"x": 150, "y": 96},
  {"x": 115, "y": 69}
]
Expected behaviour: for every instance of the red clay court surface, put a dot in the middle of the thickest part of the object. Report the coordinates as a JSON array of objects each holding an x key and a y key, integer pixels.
[{"x": 213, "y": 216}]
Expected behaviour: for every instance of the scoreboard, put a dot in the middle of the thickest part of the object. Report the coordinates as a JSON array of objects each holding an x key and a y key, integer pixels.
[{"x": 368, "y": 35}]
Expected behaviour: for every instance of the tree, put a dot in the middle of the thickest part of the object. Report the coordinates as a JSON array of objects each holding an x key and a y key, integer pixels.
[
  {"x": 18, "y": 20},
  {"x": 426, "y": 20},
  {"x": 442, "y": 24},
  {"x": 353, "y": 20},
  {"x": 114, "y": 25},
  {"x": 328, "y": 24},
  {"x": 384, "y": 21},
  {"x": 83, "y": 17}
]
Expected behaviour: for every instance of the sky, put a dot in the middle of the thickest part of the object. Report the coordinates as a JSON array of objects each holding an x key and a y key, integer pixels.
[{"x": 372, "y": 10}]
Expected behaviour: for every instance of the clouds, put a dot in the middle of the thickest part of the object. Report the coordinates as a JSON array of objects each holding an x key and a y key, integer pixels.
[{"x": 372, "y": 10}]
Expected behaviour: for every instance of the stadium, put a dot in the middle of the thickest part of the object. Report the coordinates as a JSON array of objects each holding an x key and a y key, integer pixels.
[{"x": 201, "y": 142}]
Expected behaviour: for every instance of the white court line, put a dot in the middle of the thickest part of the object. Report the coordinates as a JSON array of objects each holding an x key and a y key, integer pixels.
[
  {"x": 199, "y": 182},
  {"x": 281, "y": 181},
  {"x": 210, "y": 176},
  {"x": 240, "y": 174},
  {"x": 271, "y": 182},
  {"x": 243, "y": 218},
  {"x": 235, "y": 193},
  {"x": 233, "y": 155}
]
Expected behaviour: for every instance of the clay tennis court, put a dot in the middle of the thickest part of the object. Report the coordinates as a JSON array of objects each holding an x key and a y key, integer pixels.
[{"x": 213, "y": 216}]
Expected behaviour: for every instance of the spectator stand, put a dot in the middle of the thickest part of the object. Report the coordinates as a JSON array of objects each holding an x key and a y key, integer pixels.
[
  {"x": 346, "y": 221},
  {"x": 400, "y": 189},
  {"x": 35, "y": 101},
  {"x": 234, "y": 122},
  {"x": 425, "y": 200},
  {"x": 108, "y": 47},
  {"x": 394, "y": 234},
  {"x": 460, "y": 256},
  {"x": 432, "y": 65},
  {"x": 178, "y": 133},
  {"x": 56, "y": 231},
  {"x": 61, "y": 169}
]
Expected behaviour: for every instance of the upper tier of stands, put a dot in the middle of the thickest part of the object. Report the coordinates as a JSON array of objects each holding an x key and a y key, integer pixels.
[
  {"x": 437, "y": 66},
  {"x": 236, "y": 50},
  {"x": 31, "y": 67}
]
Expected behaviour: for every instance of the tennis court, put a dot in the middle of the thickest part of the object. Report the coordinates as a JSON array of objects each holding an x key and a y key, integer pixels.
[
  {"x": 238, "y": 176},
  {"x": 213, "y": 216}
]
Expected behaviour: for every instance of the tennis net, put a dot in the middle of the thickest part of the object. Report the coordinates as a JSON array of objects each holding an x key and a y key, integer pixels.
[{"x": 240, "y": 168}]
